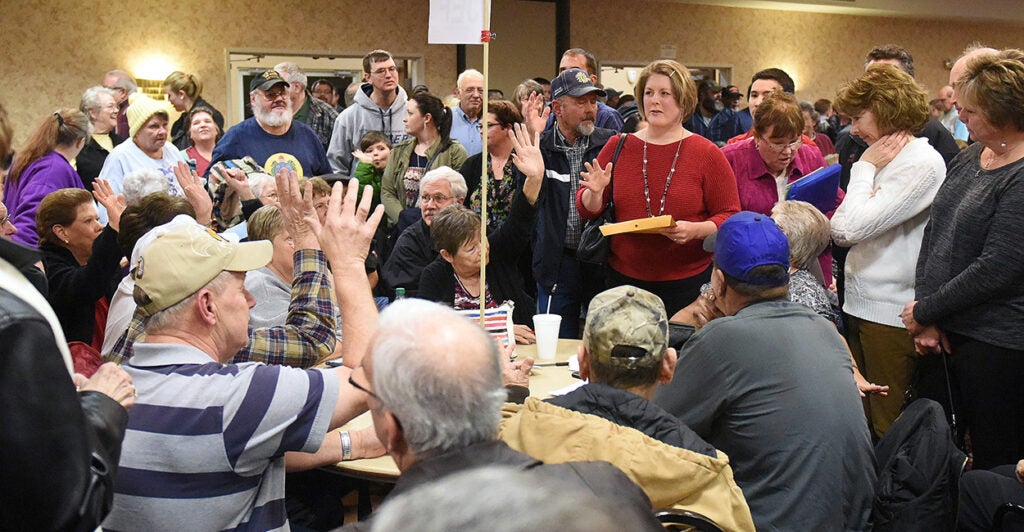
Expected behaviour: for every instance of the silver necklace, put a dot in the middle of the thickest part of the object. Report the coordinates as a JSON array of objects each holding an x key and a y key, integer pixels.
[{"x": 668, "y": 180}]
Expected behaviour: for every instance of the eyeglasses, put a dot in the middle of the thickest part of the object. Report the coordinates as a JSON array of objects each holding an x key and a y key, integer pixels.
[
  {"x": 5, "y": 219},
  {"x": 360, "y": 387},
  {"x": 275, "y": 93},
  {"x": 778, "y": 148},
  {"x": 385, "y": 70},
  {"x": 436, "y": 198},
  {"x": 480, "y": 125}
]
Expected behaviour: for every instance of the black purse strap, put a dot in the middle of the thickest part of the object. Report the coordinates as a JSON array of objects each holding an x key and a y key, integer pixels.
[{"x": 615, "y": 162}]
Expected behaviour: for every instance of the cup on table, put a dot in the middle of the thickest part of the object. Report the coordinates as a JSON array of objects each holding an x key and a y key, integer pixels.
[{"x": 545, "y": 326}]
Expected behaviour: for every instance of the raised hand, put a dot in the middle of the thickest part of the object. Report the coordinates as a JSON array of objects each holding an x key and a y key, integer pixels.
[
  {"x": 114, "y": 203},
  {"x": 195, "y": 193},
  {"x": 297, "y": 209},
  {"x": 535, "y": 113},
  {"x": 349, "y": 226}
]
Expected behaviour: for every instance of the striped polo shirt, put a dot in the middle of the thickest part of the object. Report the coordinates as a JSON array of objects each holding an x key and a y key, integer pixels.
[{"x": 205, "y": 444}]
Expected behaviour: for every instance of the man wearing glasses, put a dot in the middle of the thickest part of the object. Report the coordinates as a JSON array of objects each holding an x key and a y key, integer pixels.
[
  {"x": 466, "y": 123},
  {"x": 415, "y": 249},
  {"x": 271, "y": 136},
  {"x": 123, "y": 84},
  {"x": 379, "y": 105}
]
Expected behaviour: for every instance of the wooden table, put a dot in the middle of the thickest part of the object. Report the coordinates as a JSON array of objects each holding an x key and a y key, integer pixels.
[{"x": 543, "y": 381}]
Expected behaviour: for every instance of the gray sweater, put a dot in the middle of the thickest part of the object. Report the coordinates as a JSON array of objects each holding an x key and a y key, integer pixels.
[{"x": 970, "y": 273}]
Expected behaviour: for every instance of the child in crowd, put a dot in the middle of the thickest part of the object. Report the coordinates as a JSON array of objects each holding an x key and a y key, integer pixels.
[{"x": 373, "y": 153}]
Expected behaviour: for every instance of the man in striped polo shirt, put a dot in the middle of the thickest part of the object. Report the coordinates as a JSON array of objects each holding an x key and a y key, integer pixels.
[{"x": 205, "y": 444}]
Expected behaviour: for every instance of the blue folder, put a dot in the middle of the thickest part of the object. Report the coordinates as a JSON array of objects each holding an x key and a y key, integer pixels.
[{"x": 818, "y": 188}]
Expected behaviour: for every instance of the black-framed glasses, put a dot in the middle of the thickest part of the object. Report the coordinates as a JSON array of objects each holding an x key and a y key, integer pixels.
[
  {"x": 360, "y": 387},
  {"x": 5, "y": 219}
]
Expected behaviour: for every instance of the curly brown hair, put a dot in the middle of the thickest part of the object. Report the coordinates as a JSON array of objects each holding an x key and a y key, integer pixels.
[{"x": 892, "y": 96}]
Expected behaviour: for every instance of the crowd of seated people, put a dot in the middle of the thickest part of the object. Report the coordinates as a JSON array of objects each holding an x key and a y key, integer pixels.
[{"x": 174, "y": 289}]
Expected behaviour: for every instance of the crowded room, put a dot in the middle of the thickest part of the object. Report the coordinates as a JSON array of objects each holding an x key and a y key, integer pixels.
[{"x": 513, "y": 265}]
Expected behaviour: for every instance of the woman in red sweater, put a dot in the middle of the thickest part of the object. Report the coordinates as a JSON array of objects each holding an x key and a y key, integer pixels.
[{"x": 663, "y": 169}]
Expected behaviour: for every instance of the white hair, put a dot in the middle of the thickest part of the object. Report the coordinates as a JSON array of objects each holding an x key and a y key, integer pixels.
[
  {"x": 439, "y": 374},
  {"x": 455, "y": 179},
  {"x": 257, "y": 180},
  {"x": 91, "y": 98},
  {"x": 292, "y": 73},
  {"x": 468, "y": 73},
  {"x": 143, "y": 182}
]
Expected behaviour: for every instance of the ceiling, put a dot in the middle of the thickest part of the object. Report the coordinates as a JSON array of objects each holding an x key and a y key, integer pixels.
[{"x": 1004, "y": 11}]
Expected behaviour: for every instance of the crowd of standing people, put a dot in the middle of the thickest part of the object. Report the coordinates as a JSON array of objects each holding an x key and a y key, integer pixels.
[{"x": 127, "y": 240}]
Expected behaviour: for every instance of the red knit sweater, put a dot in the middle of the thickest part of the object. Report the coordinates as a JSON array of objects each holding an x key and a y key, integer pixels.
[{"x": 703, "y": 188}]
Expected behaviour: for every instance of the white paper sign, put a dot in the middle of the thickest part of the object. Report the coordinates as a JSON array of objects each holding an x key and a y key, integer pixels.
[{"x": 455, "y": 21}]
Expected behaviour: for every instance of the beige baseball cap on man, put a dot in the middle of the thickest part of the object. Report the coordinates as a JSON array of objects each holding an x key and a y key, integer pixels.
[
  {"x": 183, "y": 260},
  {"x": 627, "y": 327}
]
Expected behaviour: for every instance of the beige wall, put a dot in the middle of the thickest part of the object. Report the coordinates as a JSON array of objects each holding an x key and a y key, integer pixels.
[
  {"x": 54, "y": 49},
  {"x": 820, "y": 51}
]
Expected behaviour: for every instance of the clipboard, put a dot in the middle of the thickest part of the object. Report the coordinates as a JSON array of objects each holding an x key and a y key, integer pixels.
[{"x": 639, "y": 225}]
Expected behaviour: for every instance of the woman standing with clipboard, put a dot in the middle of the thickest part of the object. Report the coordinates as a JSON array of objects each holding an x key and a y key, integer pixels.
[{"x": 662, "y": 170}]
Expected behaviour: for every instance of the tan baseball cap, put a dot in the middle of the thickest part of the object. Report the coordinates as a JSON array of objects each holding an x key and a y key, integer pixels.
[
  {"x": 626, "y": 327},
  {"x": 183, "y": 260}
]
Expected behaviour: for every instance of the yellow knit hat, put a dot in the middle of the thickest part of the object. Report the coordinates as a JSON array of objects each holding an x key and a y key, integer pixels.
[{"x": 140, "y": 109}]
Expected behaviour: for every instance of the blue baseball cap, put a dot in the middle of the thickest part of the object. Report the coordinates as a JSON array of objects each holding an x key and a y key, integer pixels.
[
  {"x": 748, "y": 240},
  {"x": 573, "y": 82}
]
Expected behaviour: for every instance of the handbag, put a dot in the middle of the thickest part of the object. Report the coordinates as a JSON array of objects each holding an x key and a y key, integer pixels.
[{"x": 594, "y": 247}]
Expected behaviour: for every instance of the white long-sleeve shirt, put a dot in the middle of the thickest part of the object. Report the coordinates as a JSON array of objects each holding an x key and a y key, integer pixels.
[{"x": 883, "y": 218}]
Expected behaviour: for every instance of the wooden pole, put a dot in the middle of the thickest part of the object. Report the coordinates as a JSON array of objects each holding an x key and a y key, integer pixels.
[{"x": 484, "y": 164}]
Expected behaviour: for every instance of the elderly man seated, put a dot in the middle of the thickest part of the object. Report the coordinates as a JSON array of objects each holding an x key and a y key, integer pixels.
[
  {"x": 625, "y": 355},
  {"x": 770, "y": 384},
  {"x": 415, "y": 249},
  {"x": 434, "y": 381},
  {"x": 205, "y": 444}
]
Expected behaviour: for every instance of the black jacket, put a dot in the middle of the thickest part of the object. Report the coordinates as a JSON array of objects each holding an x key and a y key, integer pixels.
[
  {"x": 60, "y": 449},
  {"x": 90, "y": 161},
  {"x": 630, "y": 410},
  {"x": 437, "y": 283},
  {"x": 600, "y": 478},
  {"x": 179, "y": 130},
  {"x": 413, "y": 251},
  {"x": 74, "y": 289},
  {"x": 553, "y": 204}
]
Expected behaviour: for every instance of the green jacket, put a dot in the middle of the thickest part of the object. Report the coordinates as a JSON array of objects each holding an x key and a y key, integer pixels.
[{"x": 392, "y": 189}]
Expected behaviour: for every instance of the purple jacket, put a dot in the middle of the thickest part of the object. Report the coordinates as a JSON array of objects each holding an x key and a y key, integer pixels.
[
  {"x": 756, "y": 184},
  {"x": 48, "y": 173}
]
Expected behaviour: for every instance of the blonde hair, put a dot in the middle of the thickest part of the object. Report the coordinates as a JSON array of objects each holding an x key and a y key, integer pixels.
[
  {"x": 895, "y": 99},
  {"x": 683, "y": 88},
  {"x": 180, "y": 81}
]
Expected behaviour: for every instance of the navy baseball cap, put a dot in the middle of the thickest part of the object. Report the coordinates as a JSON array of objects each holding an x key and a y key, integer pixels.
[
  {"x": 573, "y": 82},
  {"x": 748, "y": 240}
]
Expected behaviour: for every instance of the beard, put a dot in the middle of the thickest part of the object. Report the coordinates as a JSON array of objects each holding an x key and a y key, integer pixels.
[
  {"x": 272, "y": 118},
  {"x": 585, "y": 128},
  {"x": 712, "y": 105}
]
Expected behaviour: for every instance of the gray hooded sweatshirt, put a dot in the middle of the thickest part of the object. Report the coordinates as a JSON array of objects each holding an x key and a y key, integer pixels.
[{"x": 359, "y": 119}]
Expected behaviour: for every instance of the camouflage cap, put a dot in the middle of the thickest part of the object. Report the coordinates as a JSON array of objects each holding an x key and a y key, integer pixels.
[{"x": 626, "y": 327}]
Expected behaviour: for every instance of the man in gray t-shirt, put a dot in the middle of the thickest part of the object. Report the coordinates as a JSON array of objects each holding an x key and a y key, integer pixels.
[{"x": 770, "y": 385}]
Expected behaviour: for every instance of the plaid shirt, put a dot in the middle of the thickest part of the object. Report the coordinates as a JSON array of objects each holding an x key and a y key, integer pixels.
[
  {"x": 307, "y": 336},
  {"x": 574, "y": 154},
  {"x": 320, "y": 118}
]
